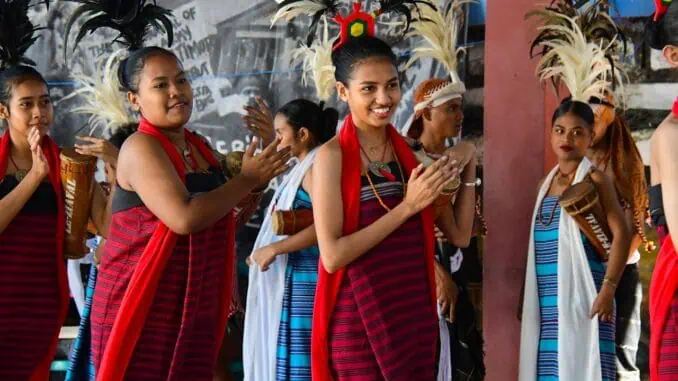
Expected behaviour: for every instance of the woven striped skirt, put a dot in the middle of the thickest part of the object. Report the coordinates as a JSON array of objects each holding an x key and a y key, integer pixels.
[
  {"x": 546, "y": 258},
  {"x": 293, "y": 362}
]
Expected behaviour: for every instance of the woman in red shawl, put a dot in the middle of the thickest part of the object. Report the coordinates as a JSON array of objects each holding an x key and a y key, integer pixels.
[
  {"x": 375, "y": 311},
  {"x": 663, "y": 35},
  {"x": 164, "y": 288},
  {"x": 33, "y": 288}
]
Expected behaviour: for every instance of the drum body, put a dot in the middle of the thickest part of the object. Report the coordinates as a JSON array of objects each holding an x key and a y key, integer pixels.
[
  {"x": 448, "y": 192},
  {"x": 290, "y": 222},
  {"x": 581, "y": 202},
  {"x": 77, "y": 180}
]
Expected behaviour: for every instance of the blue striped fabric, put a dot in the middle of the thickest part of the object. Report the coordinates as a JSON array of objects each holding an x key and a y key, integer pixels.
[
  {"x": 293, "y": 361},
  {"x": 81, "y": 367},
  {"x": 546, "y": 258}
]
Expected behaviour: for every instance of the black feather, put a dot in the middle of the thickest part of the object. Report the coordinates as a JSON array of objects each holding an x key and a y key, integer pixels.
[
  {"x": 331, "y": 7},
  {"x": 132, "y": 19},
  {"x": 17, "y": 32},
  {"x": 404, "y": 8}
]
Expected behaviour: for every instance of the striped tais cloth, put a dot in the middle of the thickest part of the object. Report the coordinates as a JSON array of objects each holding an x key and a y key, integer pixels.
[
  {"x": 29, "y": 296},
  {"x": 178, "y": 340},
  {"x": 293, "y": 361},
  {"x": 546, "y": 258},
  {"x": 383, "y": 326}
]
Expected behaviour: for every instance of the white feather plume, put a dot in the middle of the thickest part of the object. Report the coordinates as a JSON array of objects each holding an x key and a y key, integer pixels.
[
  {"x": 316, "y": 62},
  {"x": 104, "y": 101},
  {"x": 296, "y": 9},
  {"x": 583, "y": 67},
  {"x": 440, "y": 31}
]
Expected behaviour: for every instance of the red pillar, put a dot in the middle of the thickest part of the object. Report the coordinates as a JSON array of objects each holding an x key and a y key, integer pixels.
[{"x": 513, "y": 165}]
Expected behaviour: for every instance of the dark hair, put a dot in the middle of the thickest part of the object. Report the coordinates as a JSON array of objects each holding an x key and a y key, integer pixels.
[
  {"x": 665, "y": 31},
  {"x": 122, "y": 133},
  {"x": 355, "y": 50},
  {"x": 130, "y": 68},
  {"x": 320, "y": 121},
  {"x": 580, "y": 109},
  {"x": 13, "y": 76}
]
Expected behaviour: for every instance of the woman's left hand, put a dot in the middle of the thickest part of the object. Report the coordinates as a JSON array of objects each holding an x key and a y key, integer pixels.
[
  {"x": 100, "y": 148},
  {"x": 446, "y": 292},
  {"x": 264, "y": 256},
  {"x": 603, "y": 306}
]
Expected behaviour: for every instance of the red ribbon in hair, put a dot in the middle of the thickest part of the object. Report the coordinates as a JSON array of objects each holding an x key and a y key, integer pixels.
[
  {"x": 51, "y": 152},
  {"x": 675, "y": 108},
  {"x": 329, "y": 285},
  {"x": 141, "y": 290}
]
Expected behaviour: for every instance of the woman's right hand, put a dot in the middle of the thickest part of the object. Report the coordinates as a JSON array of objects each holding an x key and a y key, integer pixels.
[
  {"x": 40, "y": 167},
  {"x": 425, "y": 185},
  {"x": 261, "y": 168},
  {"x": 259, "y": 121}
]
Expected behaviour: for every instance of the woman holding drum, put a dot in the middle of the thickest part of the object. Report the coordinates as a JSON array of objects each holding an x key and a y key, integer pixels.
[
  {"x": 561, "y": 339},
  {"x": 663, "y": 35},
  {"x": 36, "y": 211}
]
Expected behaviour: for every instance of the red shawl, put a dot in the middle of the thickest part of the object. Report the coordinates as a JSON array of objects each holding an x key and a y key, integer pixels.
[
  {"x": 141, "y": 290},
  {"x": 662, "y": 291},
  {"x": 51, "y": 152},
  {"x": 330, "y": 284}
]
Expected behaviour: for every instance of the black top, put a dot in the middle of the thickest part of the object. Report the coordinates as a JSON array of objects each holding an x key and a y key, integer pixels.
[
  {"x": 42, "y": 201},
  {"x": 196, "y": 182},
  {"x": 657, "y": 206}
]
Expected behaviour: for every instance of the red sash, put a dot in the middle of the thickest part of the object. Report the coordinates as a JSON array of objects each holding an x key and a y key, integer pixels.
[
  {"x": 662, "y": 291},
  {"x": 141, "y": 290},
  {"x": 330, "y": 284},
  {"x": 51, "y": 152}
]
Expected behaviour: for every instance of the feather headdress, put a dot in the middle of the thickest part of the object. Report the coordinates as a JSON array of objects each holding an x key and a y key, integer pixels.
[
  {"x": 316, "y": 61},
  {"x": 316, "y": 9},
  {"x": 104, "y": 102},
  {"x": 290, "y": 9},
  {"x": 17, "y": 32},
  {"x": 440, "y": 30},
  {"x": 584, "y": 67},
  {"x": 132, "y": 19},
  {"x": 591, "y": 18}
]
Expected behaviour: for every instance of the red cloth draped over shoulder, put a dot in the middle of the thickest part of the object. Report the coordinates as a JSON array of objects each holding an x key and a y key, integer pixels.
[
  {"x": 329, "y": 284},
  {"x": 51, "y": 152},
  {"x": 141, "y": 290},
  {"x": 662, "y": 291}
]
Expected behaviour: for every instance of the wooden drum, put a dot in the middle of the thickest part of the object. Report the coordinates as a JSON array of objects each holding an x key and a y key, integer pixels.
[
  {"x": 77, "y": 180},
  {"x": 290, "y": 222},
  {"x": 582, "y": 203}
]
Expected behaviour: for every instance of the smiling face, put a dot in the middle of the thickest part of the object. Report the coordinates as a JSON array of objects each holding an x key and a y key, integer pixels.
[
  {"x": 372, "y": 93},
  {"x": 165, "y": 96},
  {"x": 571, "y": 136},
  {"x": 29, "y": 106}
]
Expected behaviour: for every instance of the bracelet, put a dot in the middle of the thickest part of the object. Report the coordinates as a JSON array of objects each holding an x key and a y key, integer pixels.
[
  {"x": 610, "y": 282},
  {"x": 476, "y": 183}
]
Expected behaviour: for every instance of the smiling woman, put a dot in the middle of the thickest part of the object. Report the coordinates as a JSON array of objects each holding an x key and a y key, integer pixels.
[
  {"x": 163, "y": 292},
  {"x": 375, "y": 312}
]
